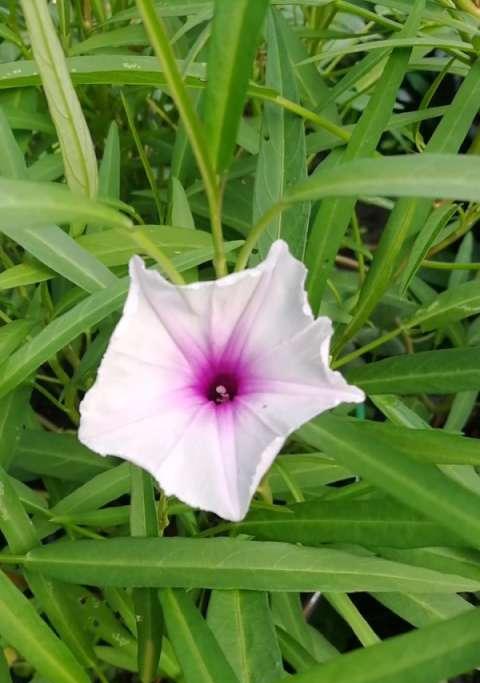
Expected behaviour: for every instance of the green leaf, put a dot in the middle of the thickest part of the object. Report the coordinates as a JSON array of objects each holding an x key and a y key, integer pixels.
[
  {"x": 76, "y": 144},
  {"x": 125, "y": 69},
  {"x": 430, "y": 372},
  {"x": 346, "y": 609},
  {"x": 181, "y": 213},
  {"x": 293, "y": 652},
  {"x": 334, "y": 215},
  {"x": 160, "y": 43},
  {"x": 229, "y": 564},
  {"x": 98, "y": 491},
  {"x": 12, "y": 162},
  {"x": 312, "y": 85},
  {"x": 242, "y": 623},
  {"x": 48, "y": 244},
  {"x": 21, "y": 536},
  {"x": 148, "y": 611},
  {"x": 416, "y": 440},
  {"x": 132, "y": 35},
  {"x": 149, "y": 615},
  {"x": 198, "y": 652},
  {"x": 464, "y": 562},
  {"x": 409, "y": 216},
  {"x": 60, "y": 456},
  {"x": 451, "y": 305},
  {"x": 391, "y": 42},
  {"x": 420, "y": 486},
  {"x": 24, "y": 630},
  {"x": 25, "y": 203},
  {"x": 309, "y": 471},
  {"x": 4, "y": 669},
  {"x": 109, "y": 174},
  {"x": 375, "y": 522},
  {"x": 13, "y": 411},
  {"x": 435, "y": 223},
  {"x": 448, "y": 176},
  {"x": 63, "y": 614},
  {"x": 54, "y": 248},
  {"x": 15, "y": 524},
  {"x": 233, "y": 42},
  {"x": 12, "y": 334},
  {"x": 288, "y": 614},
  {"x": 282, "y": 155},
  {"x": 428, "y": 655},
  {"x": 460, "y": 410},
  {"x": 115, "y": 248},
  {"x": 421, "y": 609}
]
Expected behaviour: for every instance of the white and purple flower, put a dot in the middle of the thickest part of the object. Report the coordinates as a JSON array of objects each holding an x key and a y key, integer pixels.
[{"x": 201, "y": 384}]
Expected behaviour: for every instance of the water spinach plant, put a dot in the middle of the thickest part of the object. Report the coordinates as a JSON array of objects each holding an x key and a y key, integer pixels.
[{"x": 239, "y": 341}]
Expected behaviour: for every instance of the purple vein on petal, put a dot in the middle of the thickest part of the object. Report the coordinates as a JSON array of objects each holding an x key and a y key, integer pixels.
[
  {"x": 236, "y": 345},
  {"x": 128, "y": 423},
  {"x": 186, "y": 353}
]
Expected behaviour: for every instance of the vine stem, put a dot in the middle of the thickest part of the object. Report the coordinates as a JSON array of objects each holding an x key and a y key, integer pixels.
[
  {"x": 255, "y": 234},
  {"x": 163, "y": 50},
  {"x": 158, "y": 254},
  {"x": 368, "y": 347}
]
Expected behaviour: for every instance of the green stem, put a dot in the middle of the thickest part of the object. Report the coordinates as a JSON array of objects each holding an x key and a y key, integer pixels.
[
  {"x": 151, "y": 249},
  {"x": 255, "y": 234},
  {"x": 368, "y": 347},
  {"x": 143, "y": 157},
  {"x": 292, "y": 485},
  {"x": 357, "y": 236},
  {"x": 74, "y": 417},
  {"x": 162, "y": 48},
  {"x": 12, "y": 559},
  {"x": 347, "y": 7},
  {"x": 445, "y": 265},
  {"x": 309, "y": 115}
]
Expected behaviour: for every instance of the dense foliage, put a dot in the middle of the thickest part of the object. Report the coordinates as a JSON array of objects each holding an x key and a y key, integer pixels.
[{"x": 346, "y": 127}]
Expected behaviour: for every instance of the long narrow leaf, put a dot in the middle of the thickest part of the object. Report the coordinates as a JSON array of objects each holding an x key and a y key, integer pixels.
[{"x": 75, "y": 141}]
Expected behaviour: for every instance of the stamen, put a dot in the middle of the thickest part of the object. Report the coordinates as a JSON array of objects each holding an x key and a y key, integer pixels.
[
  {"x": 223, "y": 388},
  {"x": 223, "y": 395}
]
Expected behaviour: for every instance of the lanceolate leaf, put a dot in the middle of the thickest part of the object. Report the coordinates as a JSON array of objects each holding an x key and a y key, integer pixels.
[
  {"x": 281, "y": 159},
  {"x": 235, "y": 31},
  {"x": 420, "y": 486},
  {"x": 428, "y": 655},
  {"x": 376, "y": 522},
  {"x": 434, "y": 175},
  {"x": 24, "y": 630},
  {"x": 229, "y": 564},
  {"x": 242, "y": 623},
  {"x": 409, "y": 215},
  {"x": 75, "y": 141},
  {"x": 49, "y": 244},
  {"x": 35, "y": 204},
  {"x": 199, "y": 654},
  {"x": 430, "y": 372},
  {"x": 334, "y": 215}
]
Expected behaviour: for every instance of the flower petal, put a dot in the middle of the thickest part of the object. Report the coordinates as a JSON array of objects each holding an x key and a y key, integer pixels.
[
  {"x": 259, "y": 307},
  {"x": 294, "y": 387},
  {"x": 150, "y": 403}
]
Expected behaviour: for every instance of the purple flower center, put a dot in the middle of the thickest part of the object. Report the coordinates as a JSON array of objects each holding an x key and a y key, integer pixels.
[{"x": 222, "y": 388}]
